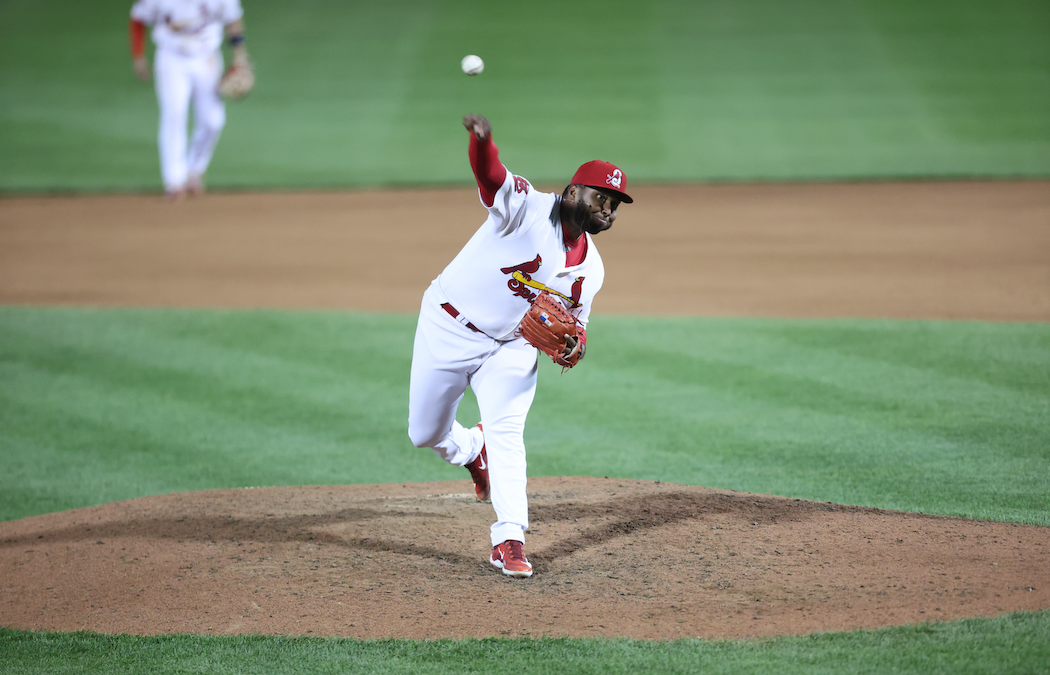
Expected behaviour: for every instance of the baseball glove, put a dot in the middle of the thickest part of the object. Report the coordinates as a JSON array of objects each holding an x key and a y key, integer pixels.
[
  {"x": 549, "y": 327},
  {"x": 238, "y": 80}
]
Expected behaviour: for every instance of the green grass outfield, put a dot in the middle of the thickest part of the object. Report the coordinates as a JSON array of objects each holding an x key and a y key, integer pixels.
[
  {"x": 370, "y": 93},
  {"x": 937, "y": 417}
]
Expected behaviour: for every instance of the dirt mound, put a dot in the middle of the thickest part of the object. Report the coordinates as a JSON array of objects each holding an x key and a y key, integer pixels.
[{"x": 617, "y": 558}]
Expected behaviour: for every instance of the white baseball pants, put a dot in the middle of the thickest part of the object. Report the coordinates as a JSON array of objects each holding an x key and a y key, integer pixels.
[
  {"x": 178, "y": 80},
  {"x": 447, "y": 358}
]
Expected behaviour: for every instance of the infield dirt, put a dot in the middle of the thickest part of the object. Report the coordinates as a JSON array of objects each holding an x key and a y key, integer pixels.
[{"x": 613, "y": 557}]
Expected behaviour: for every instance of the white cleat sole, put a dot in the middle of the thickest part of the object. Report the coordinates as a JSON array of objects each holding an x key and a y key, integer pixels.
[{"x": 498, "y": 565}]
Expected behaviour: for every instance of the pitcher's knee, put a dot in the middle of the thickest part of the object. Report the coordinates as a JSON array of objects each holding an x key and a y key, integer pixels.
[{"x": 423, "y": 438}]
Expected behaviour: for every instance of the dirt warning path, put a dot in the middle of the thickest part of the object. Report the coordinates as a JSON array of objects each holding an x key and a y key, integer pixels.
[{"x": 905, "y": 250}]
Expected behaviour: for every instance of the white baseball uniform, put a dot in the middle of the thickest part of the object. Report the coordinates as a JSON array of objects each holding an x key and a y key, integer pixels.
[
  {"x": 466, "y": 337},
  {"x": 187, "y": 66}
]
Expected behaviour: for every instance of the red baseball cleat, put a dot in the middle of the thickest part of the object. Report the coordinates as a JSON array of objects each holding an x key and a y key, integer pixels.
[
  {"x": 509, "y": 557},
  {"x": 479, "y": 471}
]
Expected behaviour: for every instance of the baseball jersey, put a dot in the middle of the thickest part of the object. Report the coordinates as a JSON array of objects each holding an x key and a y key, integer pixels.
[
  {"x": 187, "y": 27},
  {"x": 517, "y": 253}
]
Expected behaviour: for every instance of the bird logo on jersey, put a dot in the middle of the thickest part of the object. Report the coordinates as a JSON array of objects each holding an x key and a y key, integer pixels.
[
  {"x": 521, "y": 276},
  {"x": 614, "y": 179},
  {"x": 521, "y": 282}
]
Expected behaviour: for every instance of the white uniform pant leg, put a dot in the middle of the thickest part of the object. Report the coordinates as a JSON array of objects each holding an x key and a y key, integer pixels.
[
  {"x": 209, "y": 113},
  {"x": 505, "y": 387},
  {"x": 172, "y": 78},
  {"x": 444, "y": 356}
]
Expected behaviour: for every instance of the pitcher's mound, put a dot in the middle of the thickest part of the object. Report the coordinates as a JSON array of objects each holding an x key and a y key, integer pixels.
[{"x": 616, "y": 558}]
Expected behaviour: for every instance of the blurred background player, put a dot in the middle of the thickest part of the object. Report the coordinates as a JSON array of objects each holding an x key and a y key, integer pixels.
[
  {"x": 188, "y": 65},
  {"x": 467, "y": 331}
]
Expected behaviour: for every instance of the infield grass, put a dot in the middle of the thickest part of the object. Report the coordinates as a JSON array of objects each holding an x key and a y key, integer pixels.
[
  {"x": 1011, "y": 644},
  {"x": 935, "y": 417}
]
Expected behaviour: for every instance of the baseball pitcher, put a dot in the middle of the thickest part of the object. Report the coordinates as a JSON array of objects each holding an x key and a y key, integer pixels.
[{"x": 524, "y": 282}]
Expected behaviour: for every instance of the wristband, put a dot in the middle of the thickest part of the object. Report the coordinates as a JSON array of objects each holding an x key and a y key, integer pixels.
[{"x": 236, "y": 40}]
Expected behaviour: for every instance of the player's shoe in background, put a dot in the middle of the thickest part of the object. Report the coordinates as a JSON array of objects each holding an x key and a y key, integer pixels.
[
  {"x": 509, "y": 557},
  {"x": 479, "y": 471},
  {"x": 195, "y": 185}
]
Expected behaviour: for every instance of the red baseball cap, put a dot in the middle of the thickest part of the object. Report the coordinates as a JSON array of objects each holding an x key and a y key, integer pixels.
[{"x": 599, "y": 174}]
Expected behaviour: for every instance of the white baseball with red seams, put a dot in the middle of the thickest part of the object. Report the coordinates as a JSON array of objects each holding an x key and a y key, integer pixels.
[
  {"x": 188, "y": 65},
  {"x": 465, "y": 335},
  {"x": 472, "y": 64}
]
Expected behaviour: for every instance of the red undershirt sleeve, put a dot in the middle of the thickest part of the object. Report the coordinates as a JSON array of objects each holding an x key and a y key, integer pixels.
[
  {"x": 137, "y": 35},
  {"x": 488, "y": 170}
]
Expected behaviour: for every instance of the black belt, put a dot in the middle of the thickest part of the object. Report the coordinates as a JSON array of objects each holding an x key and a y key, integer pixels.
[{"x": 455, "y": 315}]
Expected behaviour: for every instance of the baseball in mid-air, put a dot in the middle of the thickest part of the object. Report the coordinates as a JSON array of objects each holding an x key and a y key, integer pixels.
[{"x": 472, "y": 65}]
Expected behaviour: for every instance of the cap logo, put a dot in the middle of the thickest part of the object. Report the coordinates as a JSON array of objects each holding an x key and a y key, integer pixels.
[{"x": 614, "y": 179}]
